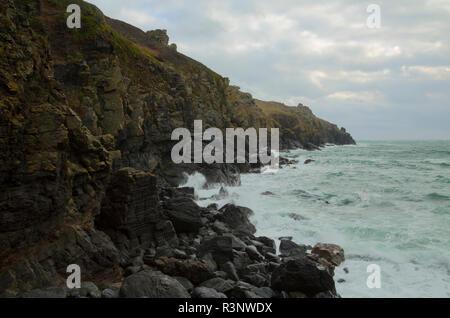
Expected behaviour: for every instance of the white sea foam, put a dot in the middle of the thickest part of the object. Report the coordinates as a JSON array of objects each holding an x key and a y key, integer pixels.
[{"x": 378, "y": 212}]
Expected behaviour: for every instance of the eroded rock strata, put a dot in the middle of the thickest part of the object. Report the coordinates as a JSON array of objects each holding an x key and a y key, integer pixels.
[{"x": 86, "y": 177}]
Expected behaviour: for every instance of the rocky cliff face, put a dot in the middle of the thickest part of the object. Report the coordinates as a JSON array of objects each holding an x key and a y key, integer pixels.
[{"x": 85, "y": 126}]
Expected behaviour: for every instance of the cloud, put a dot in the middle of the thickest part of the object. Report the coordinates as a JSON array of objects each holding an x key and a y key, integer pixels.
[
  {"x": 320, "y": 54},
  {"x": 439, "y": 73}
]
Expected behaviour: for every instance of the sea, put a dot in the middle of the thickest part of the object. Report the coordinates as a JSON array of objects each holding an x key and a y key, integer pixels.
[{"x": 384, "y": 202}]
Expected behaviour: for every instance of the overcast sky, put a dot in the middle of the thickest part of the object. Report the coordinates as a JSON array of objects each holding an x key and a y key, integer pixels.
[{"x": 391, "y": 82}]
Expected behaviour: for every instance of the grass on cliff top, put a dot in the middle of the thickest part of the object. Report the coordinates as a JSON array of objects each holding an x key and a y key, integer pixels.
[{"x": 94, "y": 26}]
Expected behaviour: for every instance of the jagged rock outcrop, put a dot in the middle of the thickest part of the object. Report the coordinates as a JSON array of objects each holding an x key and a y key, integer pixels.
[{"x": 86, "y": 117}]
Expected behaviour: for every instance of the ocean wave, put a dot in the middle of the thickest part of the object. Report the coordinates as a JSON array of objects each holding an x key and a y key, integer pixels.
[{"x": 437, "y": 197}]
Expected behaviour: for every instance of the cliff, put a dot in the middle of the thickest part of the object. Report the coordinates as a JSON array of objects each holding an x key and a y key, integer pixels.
[{"x": 85, "y": 125}]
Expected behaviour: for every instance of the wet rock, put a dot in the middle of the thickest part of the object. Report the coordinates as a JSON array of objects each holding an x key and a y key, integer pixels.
[
  {"x": 152, "y": 284},
  {"x": 267, "y": 193},
  {"x": 303, "y": 275},
  {"x": 296, "y": 217},
  {"x": 307, "y": 161}
]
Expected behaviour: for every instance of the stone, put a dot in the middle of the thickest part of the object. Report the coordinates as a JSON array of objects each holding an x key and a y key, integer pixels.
[
  {"x": 204, "y": 292},
  {"x": 152, "y": 284},
  {"x": 184, "y": 214},
  {"x": 220, "y": 247},
  {"x": 331, "y": 252},
  {"x": 302, "y": 275},
  {"x": 219, "y": 284},
  {"x": 194, "y": 270},
  {"x": 291, "y": 249},
  {"x": 236, "y": 218},
  {"x": 230, "y": 269}
]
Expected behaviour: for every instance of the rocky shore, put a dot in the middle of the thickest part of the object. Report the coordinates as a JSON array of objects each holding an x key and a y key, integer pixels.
[
  {"x": 86, "y": 117},
  {"x": 179, "y": 249}
]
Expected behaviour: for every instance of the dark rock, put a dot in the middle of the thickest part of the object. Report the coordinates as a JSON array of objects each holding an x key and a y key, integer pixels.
[
  {"x": 290, "y": 249},
  {"x": 219, "y": 284},
  {"x": 256, "y": 280},
  {"x": 230, "y": 269},
  {"x": 253, "y": 253},
  {"x": 184, "y": 214},
  {"x": 267, "y": 193},
  {"x": 264, "y": 292},
  {"x": 131, "y": 206},
  {"x": 153, "y": 285},
  {"x": 236, "y": 218},
  {"x": 130, "y": 270},
  {"x": 308, "y": 161},
  {"x": 110, "y": 292},
  {"x": 242, "y": 290},
  {"x": 220, "y": 247},
  {"x": 296, "y": 217},
  {"x": 267, "y": 242},
  {"x": 165, "y": 234},
  {"x": 303, "y": 275},
  {"x": 194, "y": 270},
  {"x": 272, "y": 257},
  {"x": 185, "y": 282},
  {"x": 204, "y": 292}
]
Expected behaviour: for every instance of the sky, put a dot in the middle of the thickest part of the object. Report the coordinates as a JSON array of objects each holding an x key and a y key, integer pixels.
[{"x": 391, "y": 82}]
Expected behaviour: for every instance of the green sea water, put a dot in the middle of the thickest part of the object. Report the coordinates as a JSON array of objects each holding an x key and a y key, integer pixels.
[{"x": 385, "y": 203}]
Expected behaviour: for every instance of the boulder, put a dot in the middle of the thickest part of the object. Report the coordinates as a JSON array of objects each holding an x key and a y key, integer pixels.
[
  {"x": 219, "y": 284},
  {"x": 184, "y": 213},
  {"x": 302, "y": 275},
  {"x": 331, "y": 252},
  {"x": 194, "y": 270},
  {"x": 152, "y": 284},
  {"x": 205, "y": 292},
  {"x": 236, "y": 217},
  {"x": 220, "y": 247},
  {"x": 289, "y": 248}
]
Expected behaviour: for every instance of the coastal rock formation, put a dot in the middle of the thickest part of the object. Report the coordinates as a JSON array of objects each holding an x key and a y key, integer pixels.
[{"x": 86, "y": 117}]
